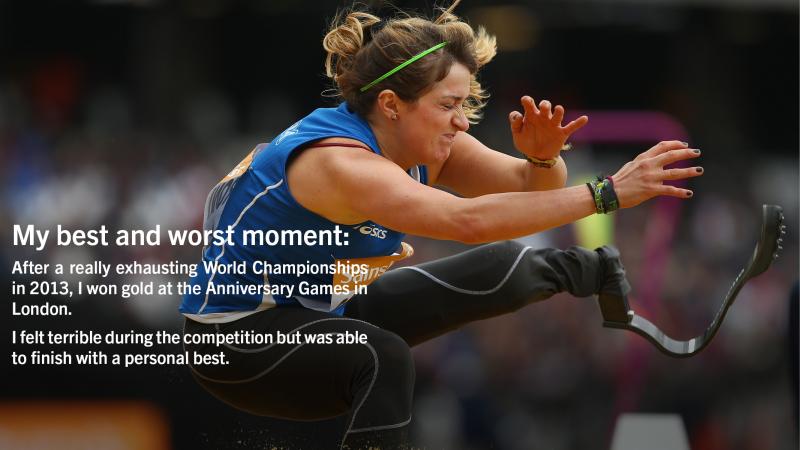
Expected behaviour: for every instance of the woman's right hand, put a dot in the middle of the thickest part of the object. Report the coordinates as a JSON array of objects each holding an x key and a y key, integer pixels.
[{"x": 643, "y": 178}]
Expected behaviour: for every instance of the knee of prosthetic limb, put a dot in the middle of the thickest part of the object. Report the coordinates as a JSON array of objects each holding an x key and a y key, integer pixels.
[{"x": 613, "y": 281}]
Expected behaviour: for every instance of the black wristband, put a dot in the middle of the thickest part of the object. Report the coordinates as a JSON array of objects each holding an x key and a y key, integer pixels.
[
  {"x": 605, "y": 198},
  {"x": 609, "y": 195},
  {"x": 596, "y": 196}
]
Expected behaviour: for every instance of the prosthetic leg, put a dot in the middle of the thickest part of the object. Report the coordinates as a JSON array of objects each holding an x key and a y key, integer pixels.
[{"x": 618, "y": 314}]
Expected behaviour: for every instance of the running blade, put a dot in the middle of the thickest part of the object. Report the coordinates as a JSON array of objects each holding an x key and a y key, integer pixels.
[{"x": 767, "y": 250}]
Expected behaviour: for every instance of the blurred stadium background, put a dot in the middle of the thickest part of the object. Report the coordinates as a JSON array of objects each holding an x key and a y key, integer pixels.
[{"x": 125, "y": 113}]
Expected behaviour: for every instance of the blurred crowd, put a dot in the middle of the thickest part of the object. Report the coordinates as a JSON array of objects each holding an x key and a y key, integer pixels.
[{"x": 81, "y": 153}]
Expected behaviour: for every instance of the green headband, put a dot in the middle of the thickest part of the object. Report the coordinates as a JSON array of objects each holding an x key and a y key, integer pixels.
[{"x": 401, "y": 66}]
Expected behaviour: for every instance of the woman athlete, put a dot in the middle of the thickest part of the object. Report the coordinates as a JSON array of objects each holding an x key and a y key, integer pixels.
[{"x": 365, "y": 170}]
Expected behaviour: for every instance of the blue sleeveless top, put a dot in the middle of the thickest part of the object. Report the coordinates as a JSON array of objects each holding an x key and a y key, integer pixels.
[{"x": 276, "y": 252}]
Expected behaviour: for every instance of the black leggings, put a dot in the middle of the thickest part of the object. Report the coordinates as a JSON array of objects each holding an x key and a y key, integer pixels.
[{"x": 373, "y": 382}]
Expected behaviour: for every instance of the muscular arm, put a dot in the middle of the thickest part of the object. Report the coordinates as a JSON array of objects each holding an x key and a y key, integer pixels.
[
  {"x": 474, "y": 169},
  {"x": 356, "y": 185},
  {"x": 348, "y": 185}
]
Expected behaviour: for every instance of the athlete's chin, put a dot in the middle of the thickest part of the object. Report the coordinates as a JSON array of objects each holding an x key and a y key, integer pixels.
[{"x": 441, "y": 153}]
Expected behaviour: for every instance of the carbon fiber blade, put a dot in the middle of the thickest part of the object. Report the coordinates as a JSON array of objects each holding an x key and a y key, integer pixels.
[{"x": 766, "y": 251}]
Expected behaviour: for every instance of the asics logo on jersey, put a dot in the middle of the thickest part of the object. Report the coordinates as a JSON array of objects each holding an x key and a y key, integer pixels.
[{"x": 373, "y": 231}]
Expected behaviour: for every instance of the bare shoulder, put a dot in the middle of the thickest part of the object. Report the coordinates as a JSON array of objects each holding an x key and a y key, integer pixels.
[
  {"x": 349, "y": 185},
  {"x": 333, "y": 158},
  {"x": 319, "y": 177}
]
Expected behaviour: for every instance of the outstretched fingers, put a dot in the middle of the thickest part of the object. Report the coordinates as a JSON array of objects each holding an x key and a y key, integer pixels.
[
  {"x": 558, "y": 114},
  {"x": 672, "y": 156},
  {"x": 674, "y": 191},
  {"x": 544, "y": 107},
  {"x": 683, "y": 173},
  {"x": 529, "y": 106},
  {"x": 663, "y": 147},
  {"x": 576, "y": 125},
  {"x": 515, "y": 119},
  {"x": 677, "y": 173}
]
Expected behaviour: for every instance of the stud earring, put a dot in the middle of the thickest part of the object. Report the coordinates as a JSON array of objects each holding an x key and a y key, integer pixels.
[{"x": 394, "y": 116}]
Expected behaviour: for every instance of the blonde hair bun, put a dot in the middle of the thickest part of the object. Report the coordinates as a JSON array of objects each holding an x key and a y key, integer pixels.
[{"x": 355, "y": 59}]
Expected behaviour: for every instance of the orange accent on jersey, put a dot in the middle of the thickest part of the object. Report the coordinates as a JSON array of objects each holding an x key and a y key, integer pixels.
[
  {"x": 377, "y": 266},
  {"x": 242, "y": 166}
]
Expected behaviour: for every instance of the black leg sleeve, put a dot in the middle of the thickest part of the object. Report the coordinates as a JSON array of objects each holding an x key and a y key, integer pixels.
[
  {"x": 422, "y": 302},
  {"x": 372, "y": 383}
]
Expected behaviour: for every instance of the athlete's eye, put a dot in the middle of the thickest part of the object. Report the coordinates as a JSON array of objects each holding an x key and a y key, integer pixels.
[{"x": 448, "y": 107}]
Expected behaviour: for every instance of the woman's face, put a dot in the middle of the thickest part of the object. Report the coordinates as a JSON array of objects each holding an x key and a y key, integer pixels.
[{"x": 429, "y": 126}]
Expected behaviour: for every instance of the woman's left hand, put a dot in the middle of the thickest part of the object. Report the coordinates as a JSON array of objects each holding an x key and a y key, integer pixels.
[{"x": 539, "y": 132}]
